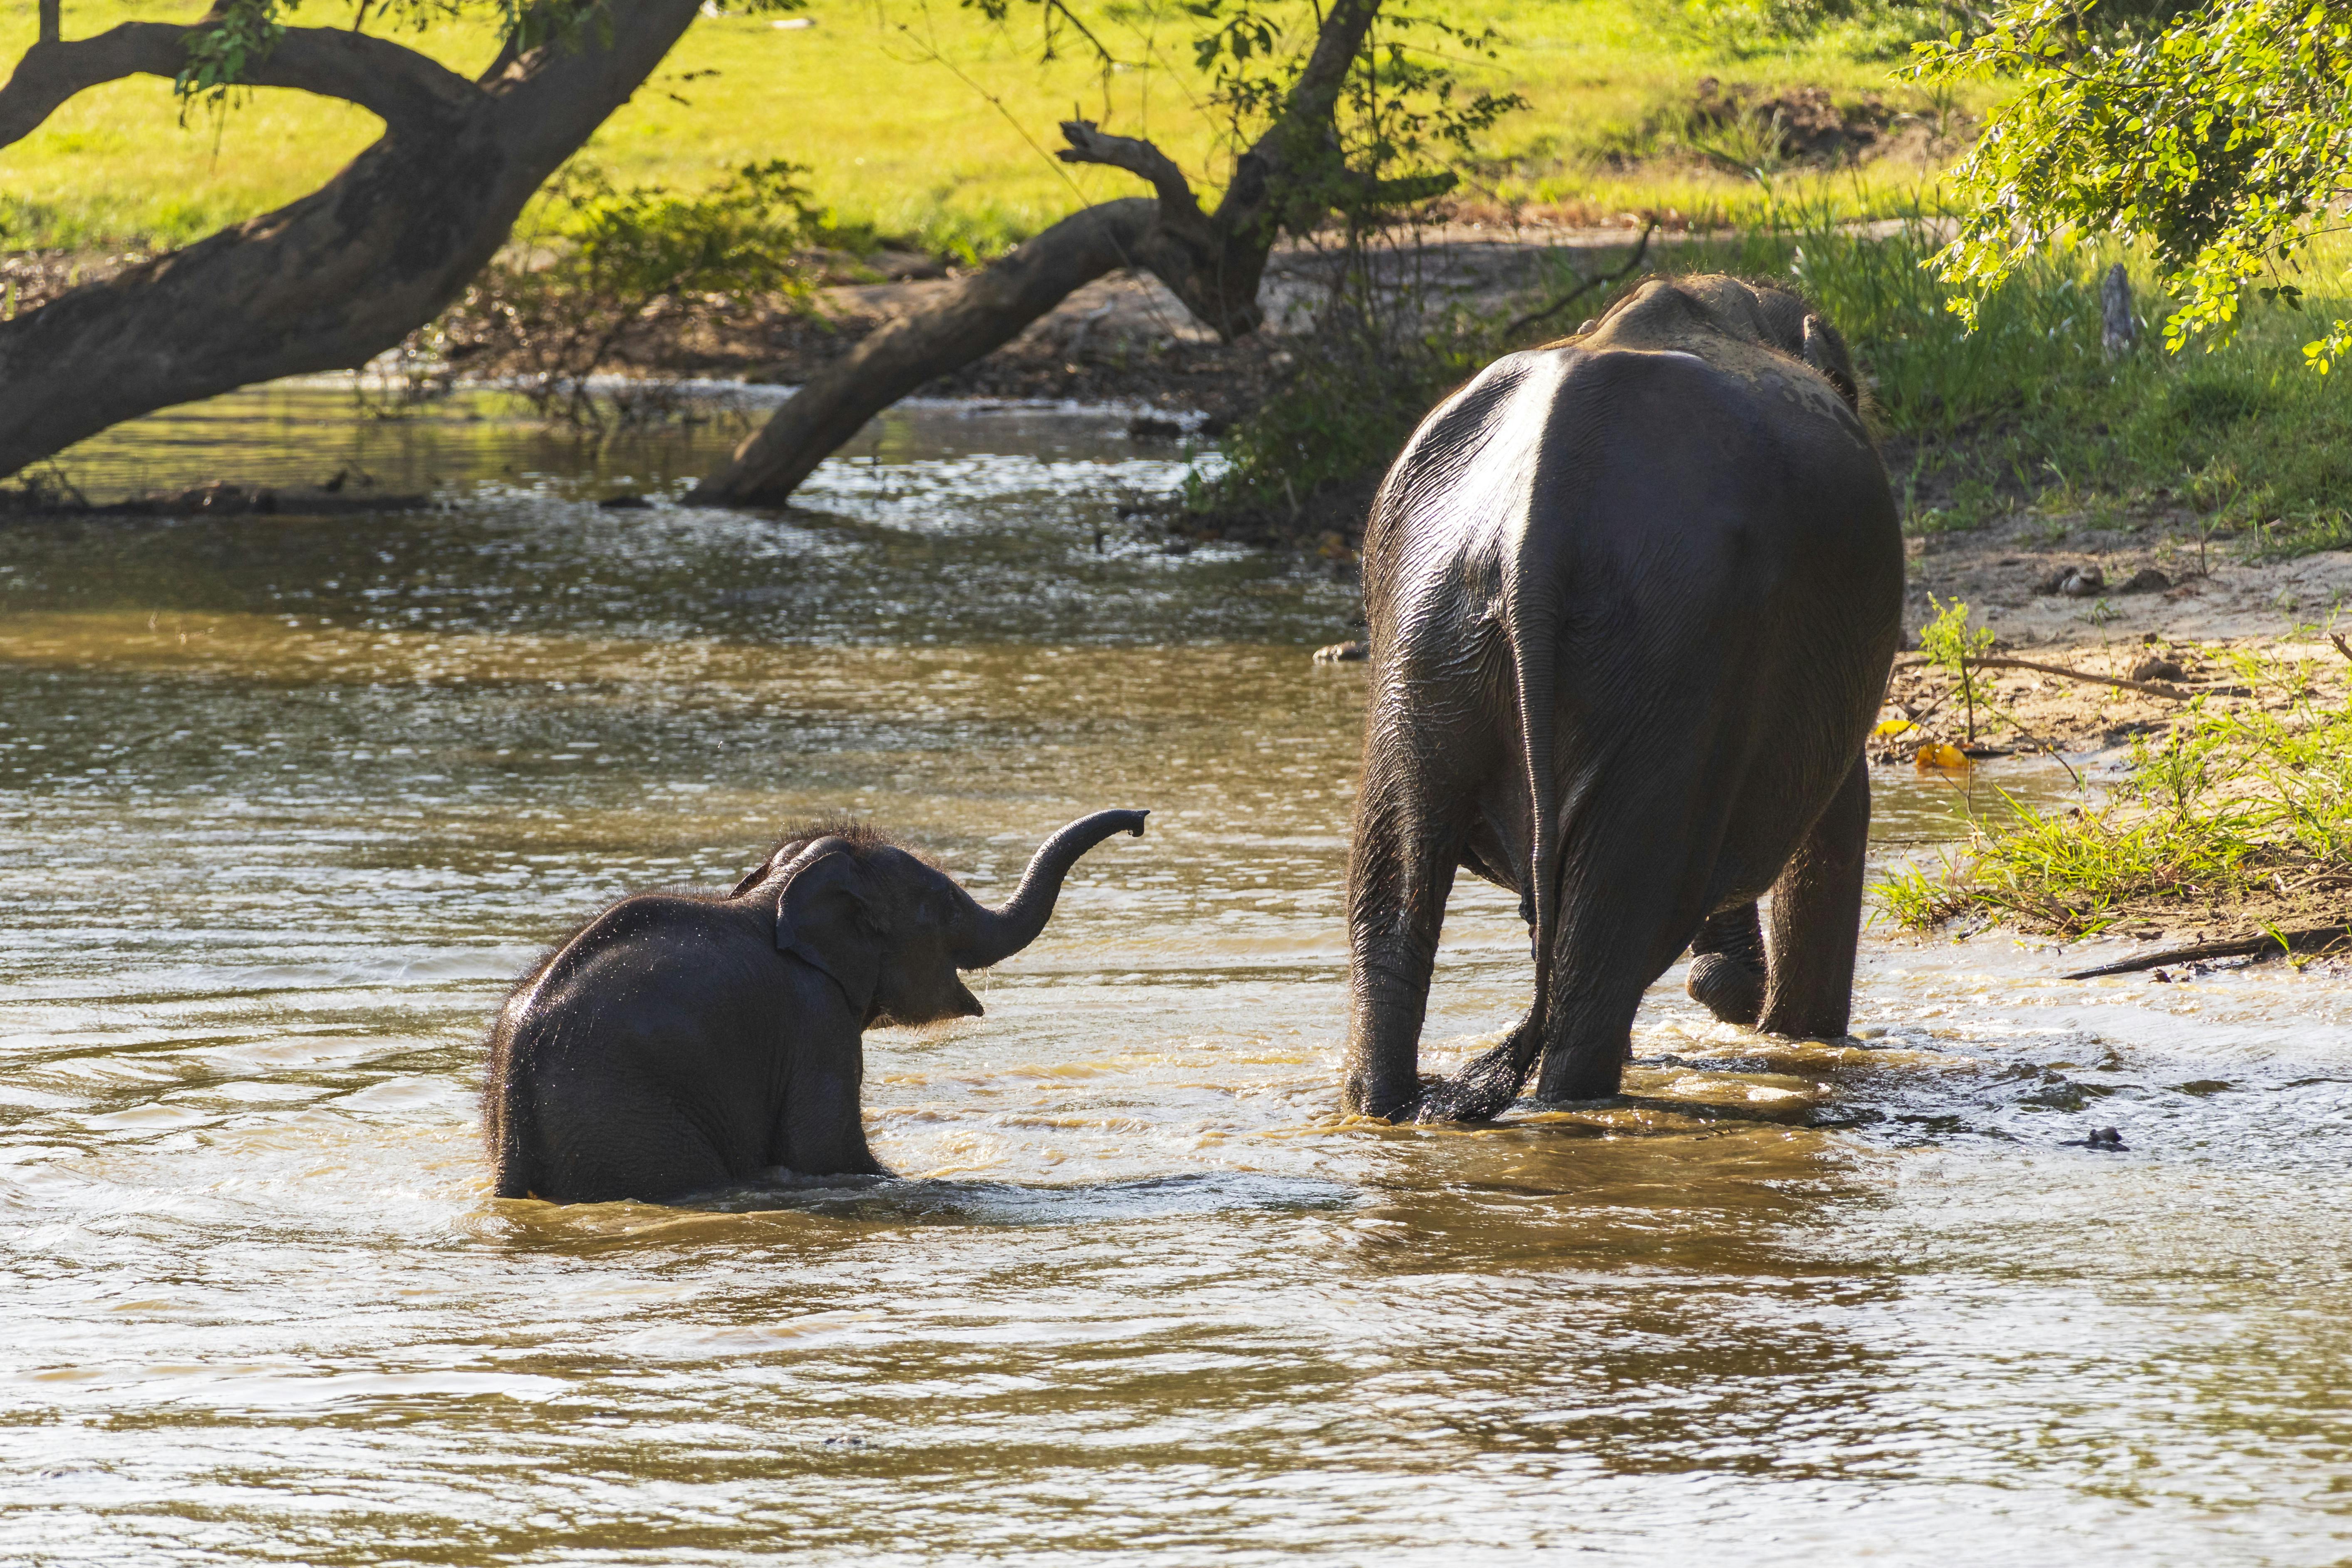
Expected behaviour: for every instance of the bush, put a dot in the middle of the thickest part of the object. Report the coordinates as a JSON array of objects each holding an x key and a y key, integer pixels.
[
  {"x": 2247, "y": 810},
  {"x": 1374, "y": 363},
  {"x": 589, "y": 263}
]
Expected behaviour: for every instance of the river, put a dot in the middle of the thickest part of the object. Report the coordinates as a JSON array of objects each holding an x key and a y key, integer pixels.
[{"x": 285, "y": 805}]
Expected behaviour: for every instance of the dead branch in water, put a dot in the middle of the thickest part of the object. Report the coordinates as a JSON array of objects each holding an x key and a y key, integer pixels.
[{"x": 2310, "y": 940}]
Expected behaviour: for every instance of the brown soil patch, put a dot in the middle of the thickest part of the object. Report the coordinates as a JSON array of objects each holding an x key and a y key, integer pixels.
[
  {"x": 2181, "y": 634},
  {"x": 1804, "y": 123}
]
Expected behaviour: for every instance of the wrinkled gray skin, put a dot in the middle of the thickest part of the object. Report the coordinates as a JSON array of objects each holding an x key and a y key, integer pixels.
[
  {"x": 678, "y": 1043},
  {"x": 1632, "y": 601}
]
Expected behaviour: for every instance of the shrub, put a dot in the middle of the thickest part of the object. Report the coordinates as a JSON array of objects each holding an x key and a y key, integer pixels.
[{"x": 590, "y": 262}]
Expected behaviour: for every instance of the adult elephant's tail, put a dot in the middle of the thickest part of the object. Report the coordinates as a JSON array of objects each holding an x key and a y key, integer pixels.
[{"x": 1532, "y": 620}]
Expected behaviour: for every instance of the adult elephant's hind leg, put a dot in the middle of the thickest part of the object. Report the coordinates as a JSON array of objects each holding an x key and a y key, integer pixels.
[
  {"x": 1633, "y": 893},
  {"x": 1420, "y": 797},
  {"x": 1727, "y": 972},
  {"x": 1816, "y": 921}
]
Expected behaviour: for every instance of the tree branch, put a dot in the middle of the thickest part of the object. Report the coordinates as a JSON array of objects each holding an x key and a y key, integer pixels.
[
  {"x": 1305, "y": 121},
  {"x": 2286, "y": 941},
  {"x": 1604, "y": 279},
  {"x": 1315, "y": 93},
  {"x": 1213, "y": 263},
  {"x": 395, "y": 83},
  {"x": 947, "y": 332},
  {"x": 1090, "y": 146},
  {"x": 52, "y": 23},
  {"x": 2152, "y": 687}
]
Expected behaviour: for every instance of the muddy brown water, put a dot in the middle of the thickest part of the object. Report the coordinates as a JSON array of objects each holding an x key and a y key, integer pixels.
[{"x": 284, "y": 805}]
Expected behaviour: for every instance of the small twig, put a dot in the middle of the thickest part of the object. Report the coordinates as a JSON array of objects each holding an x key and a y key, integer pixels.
[
  {"x": 1928, "y": 712},
  {"x": 2341, "y": 645},
  {"x": 1641, "y": 249},
  {"x": 2154, "y": 688},
  {"x": 2243, "y": 947}
]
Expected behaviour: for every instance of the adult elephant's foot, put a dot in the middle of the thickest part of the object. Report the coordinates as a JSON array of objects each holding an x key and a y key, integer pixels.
[
  {"x": 1728, "y": 987},
  {"x": 1484, "y": 1090},
  {"x": 1594, "y": 1072},
  {"x": 1361, "y": 1095}
]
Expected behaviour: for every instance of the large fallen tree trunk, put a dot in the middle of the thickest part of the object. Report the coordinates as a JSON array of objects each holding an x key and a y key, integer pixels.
[
  {"x": 1211, "y": 261},
  {"x": 333, "y": 279}
]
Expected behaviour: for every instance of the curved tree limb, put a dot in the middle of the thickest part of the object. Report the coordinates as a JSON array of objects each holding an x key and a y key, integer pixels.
[
  {"x": 980, "y": 313},
  {"x": 395, "y": 83},
  {"x": 1598, "y": 280},
  {"x": 1178, "y": 205},
  {"x": 331, "y": 280},
  {"x": 1212, "y": 262}
]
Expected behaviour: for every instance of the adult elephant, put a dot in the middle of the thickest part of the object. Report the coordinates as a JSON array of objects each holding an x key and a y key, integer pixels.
[
  {"x": 678, "y": 1043},
  {"x": 1632, "y": 601}
]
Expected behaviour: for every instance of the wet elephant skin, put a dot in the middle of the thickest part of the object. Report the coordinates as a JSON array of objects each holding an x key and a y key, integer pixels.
[{"x": 1632, "y": 601}]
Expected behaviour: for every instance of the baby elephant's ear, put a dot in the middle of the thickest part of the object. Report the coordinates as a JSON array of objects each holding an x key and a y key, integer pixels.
[{"x": 826, "y": 918}]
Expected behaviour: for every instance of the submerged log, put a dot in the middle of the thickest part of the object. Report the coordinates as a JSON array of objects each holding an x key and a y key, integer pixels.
[{"x": 206, "y": 500}]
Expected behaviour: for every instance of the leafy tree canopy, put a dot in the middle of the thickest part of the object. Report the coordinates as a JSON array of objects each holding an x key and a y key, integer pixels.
[{"x": 2221, "y": 134}]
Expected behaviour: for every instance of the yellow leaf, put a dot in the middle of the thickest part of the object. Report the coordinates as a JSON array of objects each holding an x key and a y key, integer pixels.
[
  {"x": 1894, "y": 727},
  {"x": 1939, "y": 754}
]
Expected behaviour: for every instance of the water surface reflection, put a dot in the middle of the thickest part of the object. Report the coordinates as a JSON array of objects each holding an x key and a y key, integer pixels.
[{"x": 284, "y": 805}]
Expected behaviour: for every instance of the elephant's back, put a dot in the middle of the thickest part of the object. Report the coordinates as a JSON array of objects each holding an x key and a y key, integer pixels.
[
  {"x": 615, "y": 1009},
  {"x": 1734, "y": 472},
  {"x": 1742, "y": 470}
]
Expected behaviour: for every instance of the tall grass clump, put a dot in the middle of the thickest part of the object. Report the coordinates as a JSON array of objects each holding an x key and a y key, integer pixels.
[{"x": 2244, "y": 812}]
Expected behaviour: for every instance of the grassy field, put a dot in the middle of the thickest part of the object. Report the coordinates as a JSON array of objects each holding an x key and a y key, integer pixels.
[{"x": 922, "y": 120}]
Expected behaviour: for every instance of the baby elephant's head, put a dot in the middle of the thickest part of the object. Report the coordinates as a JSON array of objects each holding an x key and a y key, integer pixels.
[{"x": 891, "y": 929}]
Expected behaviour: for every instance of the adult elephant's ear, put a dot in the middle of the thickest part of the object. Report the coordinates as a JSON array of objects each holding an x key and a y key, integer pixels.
[
  {"x": 1825, "y": 352},
  {"x": 825, "y": 919}
]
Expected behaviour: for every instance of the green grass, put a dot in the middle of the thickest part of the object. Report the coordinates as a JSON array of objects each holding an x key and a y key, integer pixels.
[
  {"x": 2244, "y": 811},
  {"x": 2240, "y": 451},
  {"x": 919, "y": 120},
  {"x": 2241, "y": 447}
]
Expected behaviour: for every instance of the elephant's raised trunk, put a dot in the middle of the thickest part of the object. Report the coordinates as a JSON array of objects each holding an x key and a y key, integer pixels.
[{"x": 984, "y": 936}]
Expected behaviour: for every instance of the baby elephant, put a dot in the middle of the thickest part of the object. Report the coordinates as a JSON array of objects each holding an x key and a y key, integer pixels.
[{"x": 677, "y": 1043}]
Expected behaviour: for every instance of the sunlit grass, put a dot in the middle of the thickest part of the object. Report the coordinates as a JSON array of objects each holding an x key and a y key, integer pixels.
[
  {"x": 2245, "y": 809},
  {"x": 890, "y": 106}
]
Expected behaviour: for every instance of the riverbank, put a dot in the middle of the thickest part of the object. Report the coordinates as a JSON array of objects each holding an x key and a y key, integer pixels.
[{"x": 2205, "y": 707}]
